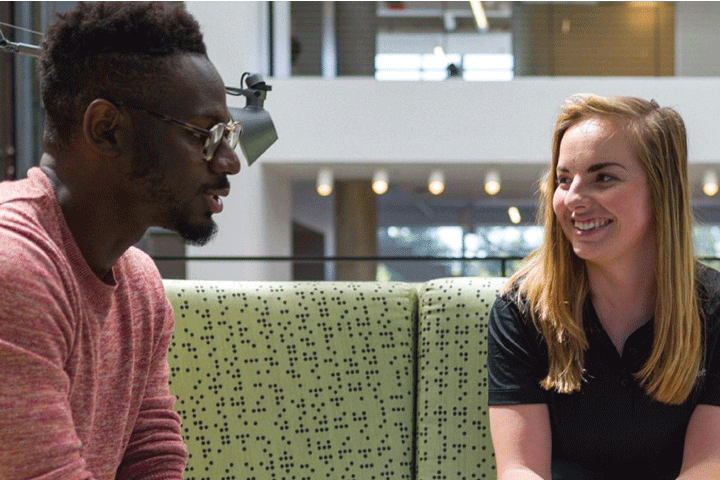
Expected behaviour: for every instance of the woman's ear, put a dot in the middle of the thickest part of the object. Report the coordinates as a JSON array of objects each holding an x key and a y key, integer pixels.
[{"x": 104, "y": 127}]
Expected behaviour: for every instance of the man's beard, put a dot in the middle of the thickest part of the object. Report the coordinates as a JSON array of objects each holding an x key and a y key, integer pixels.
[
  {"x": 152, "y": 177},
  {"x": 197, "y": 234}
]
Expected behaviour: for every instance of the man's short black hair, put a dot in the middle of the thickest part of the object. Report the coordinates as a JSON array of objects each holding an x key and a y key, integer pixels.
[{"x": 109, "y": 49}]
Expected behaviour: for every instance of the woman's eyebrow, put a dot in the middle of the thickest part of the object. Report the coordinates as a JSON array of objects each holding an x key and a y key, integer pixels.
[
  {"x": 595, "y": 167},
  {"x": 601, "y": 165}
]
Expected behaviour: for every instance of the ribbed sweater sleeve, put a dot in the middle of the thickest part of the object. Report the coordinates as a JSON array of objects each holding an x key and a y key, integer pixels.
[{"x": 83, "y": 365}]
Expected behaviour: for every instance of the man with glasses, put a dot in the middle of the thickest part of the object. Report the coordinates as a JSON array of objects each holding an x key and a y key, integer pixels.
[{"x": 138, "y": 134}]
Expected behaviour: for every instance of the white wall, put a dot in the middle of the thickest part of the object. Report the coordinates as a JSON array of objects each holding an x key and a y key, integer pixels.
[
  {"x": 697, "y": 42},
  {"x": 254, "y": 221},
  {"x": 363, "y": 122},
  {"x": 235, "y": 34},
  {"x": 404, "y": 42}
]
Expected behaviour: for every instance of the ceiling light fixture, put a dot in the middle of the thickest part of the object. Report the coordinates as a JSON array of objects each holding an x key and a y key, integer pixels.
[
  {"x": 492, "y": 182},
  {"x": 380, "y": 182},
  {"x": 436, "y": 182},
  {"x": 479, "y": 14},
  {"x": 514, "y": 215},
  {"x": 710, "y": 183},
  {"x": 448, "y": 24},
  {"x": 325, "y": 182}
]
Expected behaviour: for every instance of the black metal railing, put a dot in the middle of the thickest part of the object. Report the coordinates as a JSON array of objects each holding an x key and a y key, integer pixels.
[{"x": 398, "y": 265}]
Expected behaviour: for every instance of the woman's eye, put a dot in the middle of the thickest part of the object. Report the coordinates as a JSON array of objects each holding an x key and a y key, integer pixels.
[
  {"x": 562, "y": 181},
  {"x": 604, "y": 177}
]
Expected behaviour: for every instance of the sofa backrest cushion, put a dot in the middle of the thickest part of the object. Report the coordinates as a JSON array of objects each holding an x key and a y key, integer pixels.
[
  {"x": 453, "y": 431},
  {"x": 295, "y": 380}
]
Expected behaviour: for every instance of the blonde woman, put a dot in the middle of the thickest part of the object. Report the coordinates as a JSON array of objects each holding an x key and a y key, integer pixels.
[{"x": 603, "y": 358}]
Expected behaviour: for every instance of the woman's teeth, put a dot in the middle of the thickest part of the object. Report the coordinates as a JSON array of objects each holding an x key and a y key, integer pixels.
[{"x": 584, "y": 226}]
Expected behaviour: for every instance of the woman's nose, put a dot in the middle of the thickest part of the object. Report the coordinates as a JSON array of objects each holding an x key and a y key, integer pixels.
[{"x": 576, "y": 195}]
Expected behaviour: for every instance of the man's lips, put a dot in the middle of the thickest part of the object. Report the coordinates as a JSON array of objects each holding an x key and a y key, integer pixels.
[
  {"x": 223, "y": 192},
  {"x": 214, "y": 200}
]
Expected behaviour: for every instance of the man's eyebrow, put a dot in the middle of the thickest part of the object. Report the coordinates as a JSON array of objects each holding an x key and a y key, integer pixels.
[{"x": 215, "y": 116}]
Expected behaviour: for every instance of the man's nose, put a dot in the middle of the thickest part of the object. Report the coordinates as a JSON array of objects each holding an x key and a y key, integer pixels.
[{"x": 225, "y": 160}]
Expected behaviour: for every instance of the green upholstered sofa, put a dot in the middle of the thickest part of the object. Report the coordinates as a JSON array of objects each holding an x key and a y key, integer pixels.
[{"x": 333, "y": 380}]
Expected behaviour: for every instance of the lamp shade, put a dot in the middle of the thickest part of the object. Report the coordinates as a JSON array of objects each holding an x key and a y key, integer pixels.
[{"x": 258, "y": 131}]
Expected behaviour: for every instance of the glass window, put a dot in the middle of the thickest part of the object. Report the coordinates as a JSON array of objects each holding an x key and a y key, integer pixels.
[
  {"x": 429, "y": 66},
  {"x": 707, "y": 244},
  {"x": 484, "y": 251}
]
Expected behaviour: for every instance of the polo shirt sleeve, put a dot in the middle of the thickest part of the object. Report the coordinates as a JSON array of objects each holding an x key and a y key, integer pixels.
[{"x": 517, "y": 359}]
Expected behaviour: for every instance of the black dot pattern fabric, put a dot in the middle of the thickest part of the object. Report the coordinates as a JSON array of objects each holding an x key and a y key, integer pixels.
[
  {"x": 295, "y": 380},
  {"x": 453, "y": 429}
]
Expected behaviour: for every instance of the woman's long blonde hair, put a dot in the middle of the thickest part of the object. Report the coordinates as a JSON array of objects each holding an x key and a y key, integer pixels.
[{"x": 554, "y": 282}]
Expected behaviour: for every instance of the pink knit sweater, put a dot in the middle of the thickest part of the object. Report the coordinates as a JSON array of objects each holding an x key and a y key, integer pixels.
[{"x": 83, "y": 365}]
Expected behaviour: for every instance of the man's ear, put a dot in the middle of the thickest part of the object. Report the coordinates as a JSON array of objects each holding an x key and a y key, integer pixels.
[{"x": 105, "y": 127}]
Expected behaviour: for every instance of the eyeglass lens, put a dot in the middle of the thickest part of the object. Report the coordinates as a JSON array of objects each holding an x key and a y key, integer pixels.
[{"x": 230, "y": 132}]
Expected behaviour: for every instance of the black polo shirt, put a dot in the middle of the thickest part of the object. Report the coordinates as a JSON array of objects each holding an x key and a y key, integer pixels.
[{"x": 610, "y": 429}]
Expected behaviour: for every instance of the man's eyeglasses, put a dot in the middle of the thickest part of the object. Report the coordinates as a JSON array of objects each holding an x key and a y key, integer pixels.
[{"x": 230, "y": 131}]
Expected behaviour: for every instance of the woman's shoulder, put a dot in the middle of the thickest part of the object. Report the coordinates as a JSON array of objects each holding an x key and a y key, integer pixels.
[
  {"x": 512, "y": 295},
  {"x": 512, "y": 305}
]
